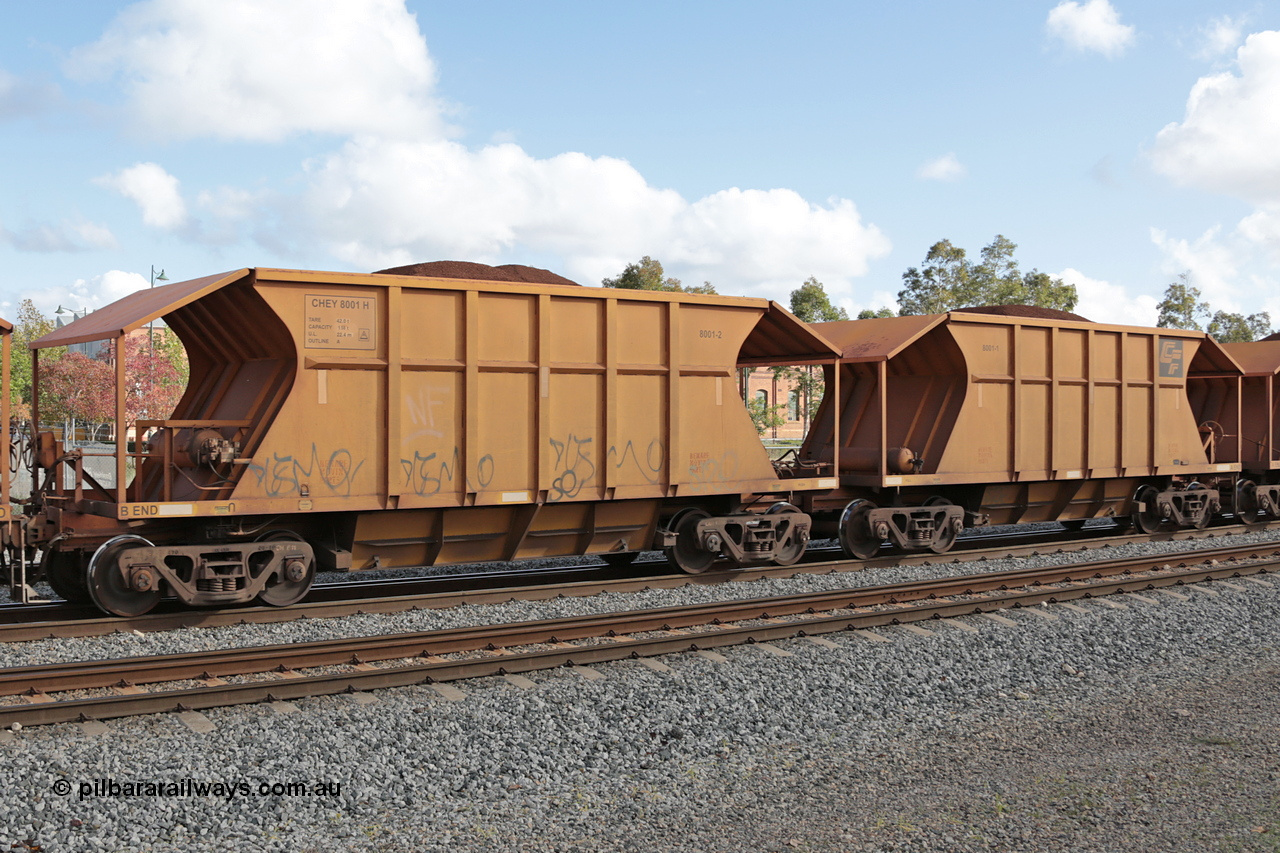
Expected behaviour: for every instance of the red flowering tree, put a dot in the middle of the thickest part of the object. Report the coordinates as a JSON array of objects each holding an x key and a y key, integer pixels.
[{"x": 76, "y": 387}]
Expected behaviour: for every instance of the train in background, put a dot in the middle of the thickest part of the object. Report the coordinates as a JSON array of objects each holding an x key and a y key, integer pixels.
[{"x": 413, "y": 417}]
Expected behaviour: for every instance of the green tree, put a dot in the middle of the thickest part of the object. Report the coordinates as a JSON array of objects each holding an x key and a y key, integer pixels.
[
  {"x": 811, "y": 304},
  {"x": 647, "y": 274},
  {"x": 171, "y": 349},
  {"x": 939, "y": 284},
  {"x": 1237, "y": 328},
  {"x": 948, "y": 279},
  {"x": 765, "y": 416},
  {"x": 1181, "y": 308},
  {"x": 878, "y": 313},
  {"x": 29, "y": 325}
]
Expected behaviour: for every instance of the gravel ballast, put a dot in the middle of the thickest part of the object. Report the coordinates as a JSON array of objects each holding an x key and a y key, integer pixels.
[{"x": 1146, "y": 727}]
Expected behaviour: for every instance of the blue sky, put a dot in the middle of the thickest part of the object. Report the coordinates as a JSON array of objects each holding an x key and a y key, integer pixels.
[{"x": 1117, "y": 142}]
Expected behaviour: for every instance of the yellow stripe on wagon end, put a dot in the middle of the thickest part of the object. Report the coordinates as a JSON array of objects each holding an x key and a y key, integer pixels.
[
  {"x": 156, "y": 510},
  {"x": 803, "y": 485}
]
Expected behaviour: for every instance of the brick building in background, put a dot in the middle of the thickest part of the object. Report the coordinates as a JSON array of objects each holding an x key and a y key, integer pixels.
[{"x": 763, "y": 384}]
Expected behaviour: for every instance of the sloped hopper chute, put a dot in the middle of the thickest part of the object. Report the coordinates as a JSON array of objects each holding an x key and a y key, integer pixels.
[{"x": 243, "y": 361}]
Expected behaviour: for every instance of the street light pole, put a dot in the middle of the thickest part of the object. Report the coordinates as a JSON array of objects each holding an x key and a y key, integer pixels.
[
  {"x": 151, "y": 327},
  {"x": 151, "y": 342}
]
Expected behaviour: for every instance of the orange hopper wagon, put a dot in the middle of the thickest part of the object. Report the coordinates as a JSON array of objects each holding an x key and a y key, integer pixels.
[{"x": 354, "y": 421}]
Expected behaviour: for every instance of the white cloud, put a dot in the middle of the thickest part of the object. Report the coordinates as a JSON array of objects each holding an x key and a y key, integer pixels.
[
  {"x": 1229, "y": 140},
  {"x": 772, "y": 239},
  {"x": 944, "y": 168},
  {"x": 1235, "y": 270},
  {"x": 377, "y": 203},
  {"x": 1220, "y": 37},
  {"x": 1090, "y": 26},
  {"x": 155, "y": 192},
  {"x": 91, "y": 293},
  {"x": 246, "y": 69},
  {"x": 397, "y": 189},
  {"x": 65, "y": 236},
  {"x": 1229, "y": 143},
  {"x": 1213, "y": 261},
  {"x": 1105, "y": 302},
  {"x": 1262, "y": 230}
]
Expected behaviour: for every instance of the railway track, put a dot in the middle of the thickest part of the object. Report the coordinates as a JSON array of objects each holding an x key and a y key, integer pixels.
[
  {"x": 448, "y": 655},
  {"x": 59, "y": 619}
]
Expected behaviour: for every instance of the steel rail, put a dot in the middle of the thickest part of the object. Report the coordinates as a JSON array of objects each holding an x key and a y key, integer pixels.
[
  {"x": 1035, "y": 589},
  {"x": 439, "y": 592}
]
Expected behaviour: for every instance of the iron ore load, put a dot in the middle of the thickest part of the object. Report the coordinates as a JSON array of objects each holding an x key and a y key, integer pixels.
[{"x": 451, "y": 412}]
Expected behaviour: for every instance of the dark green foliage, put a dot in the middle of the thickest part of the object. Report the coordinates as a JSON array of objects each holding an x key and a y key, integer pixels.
[
  {"x": 810, "y": 303},
  {"x": 1181, "y": 308},
  {"x": 949, "y": 280},
  {"x": 647, "y": 274}
]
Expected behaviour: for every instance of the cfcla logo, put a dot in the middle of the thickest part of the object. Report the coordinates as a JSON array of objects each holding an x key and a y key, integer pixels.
[{"x": 1171, "y": 358}]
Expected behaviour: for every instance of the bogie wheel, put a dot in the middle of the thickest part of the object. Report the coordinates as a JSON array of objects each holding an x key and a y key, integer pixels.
[
  {"x": 109, "y": 589},
  {"x": 688, "y": 554},
  {"x": 857, "y": 539},
  {"x": 946, "y": 537},
  {"x": 1203, "y": 521},
  {"x": 64, "y": 572},
  {"x": 792, "y": 549},
  {"x": 1246, "y": 502},
  {"x": 293, "y": 582},
  {"x": 1147, "y": 520}
]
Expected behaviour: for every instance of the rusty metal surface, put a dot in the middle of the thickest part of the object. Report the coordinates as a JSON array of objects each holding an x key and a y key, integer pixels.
[
  {"x": 987, "y": 399},
  {"x": 1259, "y": 358},
  {"x": 879, "y": 339},
  {"x": 464, "y": 421},
  {"x": 1212, "y": 358},
  {"x": 406, "y": 421},
  {"x": 780, "y": 337},
  {"x": 134, "y": 311},
  {"x": 1260, "y": 426}
]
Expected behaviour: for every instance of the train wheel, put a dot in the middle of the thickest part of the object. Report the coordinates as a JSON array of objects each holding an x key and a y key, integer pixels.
[
  {"x": 946, "y": 536},
  {"x": 109, "y": 590},
  {"x": 65, "y": 573},
  {"x": 857, "y": 539},
  {"x": 1203, "y": 521},
  {"x": 293, "y": 582},
  {"x": 688, "y": 553},
  {"x": 790, "y": 551},
  {"x": 1147, "y": 520},
  {"x": 1246, "y": 506}
]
